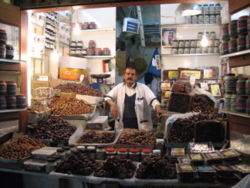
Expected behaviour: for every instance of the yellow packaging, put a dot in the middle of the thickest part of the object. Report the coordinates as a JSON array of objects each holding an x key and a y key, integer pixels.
[{"x": 72, "y": 73}]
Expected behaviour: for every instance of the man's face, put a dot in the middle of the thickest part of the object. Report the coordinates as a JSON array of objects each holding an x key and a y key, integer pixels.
[{"x": 129, "y": 76}]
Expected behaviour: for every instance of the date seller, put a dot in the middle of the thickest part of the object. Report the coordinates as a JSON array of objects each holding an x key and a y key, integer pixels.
[{"x": 130, "y": 103}]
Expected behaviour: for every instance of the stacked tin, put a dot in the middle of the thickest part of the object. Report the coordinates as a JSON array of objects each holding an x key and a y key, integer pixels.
[{"x": 235, "y": 35}]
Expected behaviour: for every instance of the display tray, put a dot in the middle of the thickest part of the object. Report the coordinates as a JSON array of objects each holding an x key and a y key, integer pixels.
[
  {"x": 213, "y": 158},
  {"x": 11, "y": 163},
  {"x": 74, "y": 139}
]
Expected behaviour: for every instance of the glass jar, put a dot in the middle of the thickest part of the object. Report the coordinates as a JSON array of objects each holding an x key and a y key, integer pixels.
[
  {"x": 230, "y": 83},
  {"x": 186, "y": 50},
  {"x": 248, "y": 106},
  {"x": 193, "y": 43},
  {"x": 232, "y": 103},
  {"x": 216, "y": 50},
  {"x": 205, "y": 9},
  {"x": 110, "y": 152},
  {"x": 205, "y": 50},
  {"x": 159, "y": 144},
  {"x": 11, "y": 102},
  {"x": 227, "y": 104},
  {"x": 156, "y": 152},
  {"x": 241, "y": 42},
  {"x": 199, "y": 36},
  {"x": 11, "y": 88},
  {"x": 248, "y": 86},
  {"x": 198, "y": 50},
  {"x": 122, "y": 152},
  {"x": 212, "y": 35},
  {"x": 181, "y": 44},
  {"x": 134, "y": 154},
  {"x": 2, "y": 50},
  {"x": 225, "y": 47},
  {"x": 232, "y": 46},
  {"x": 200, "y": 19},
  {"x": 217, "y": 8},
  {"x": 224, "y": 31},
  {"x": 218, "y": 19},
  {"x": 194, "y": 19},
  {"x": 217, "y": 42},
  {"x": 210, "y": 50},
  {"x": 145, "y": 153},
  {"x": 242, "y": 25},
  {"x": 91, "y": 152},
  {"x": 100, "y": 153},
  {"x": 180, "y": 51},
  {"x": 174, "y": 51},
  {"x": 211, "y": 9},
  {"x": 187, "y": 44},
  {"x": 241, "y": 86},
  {"x": 248, "y": 24},
  {"x": 212, "y": 19},
  {"x": 3, "y": 103},
  {"x": 240, "y": 105},
  {"x": 192, "y": 50},
  {"x": 3, "y": 36},
  {"x": 233, "y": 28},
  {"x": 92, "y": 44},
  {"x": 175, "y": 44},
  {"x": 21, "y": 101},
  {"x": 3, "y": 88},
  {"x": 206, "y": 19}
]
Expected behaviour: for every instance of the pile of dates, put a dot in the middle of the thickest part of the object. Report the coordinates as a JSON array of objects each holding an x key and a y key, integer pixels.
[
  {"x": 202, "y": 103},
  {"x": 78, "y": 89},
  {"x": 97, "y": 137},
  {"x": 69, "y": 107},
  {"x": 55, "y": 129},
  {"x": 20, "y": 148},
  {"x": 183, "y": 129},
  {"x": 78, "y": 163},
  {"x": 156, "y": 167},
  {"x": 179, "y": 102},
  {"x": 116, "y": 167},
  {"x": 137, "y": 137}
]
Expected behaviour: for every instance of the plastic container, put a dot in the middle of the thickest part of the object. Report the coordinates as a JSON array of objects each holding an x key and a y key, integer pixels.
[
  {"x": 3, "y": 36},
  {"x": 11, "y": 88},
  {"x": 233, "y": 28},
  {"x": 230, "y": 83},
  {"x": 145, "y": 153},
  {"x": 232, "y": 103},
  {"x": 110, "y": 152},
  {"x": 100, "y": 153},
  {"x": 11, "y": 102},
  {"x": 3, "y": 103},
  {"x": 241, "y": 86},
  {"x": 123, "y": 152},
  {"x": 232, "y": 46},
  {"x": 225, "y": 31},
  {"x": 3, "y": 88},
  {"x": 2, "y": 50},
  {"x": 248, "y": 86},
  {"x": 241, "y": 42},
  {"x": 134, "y": 154},
  {"x": 21, "y": 101},
  {"x": 242, "y": 25},
  {"x": 240, "y": 104}
]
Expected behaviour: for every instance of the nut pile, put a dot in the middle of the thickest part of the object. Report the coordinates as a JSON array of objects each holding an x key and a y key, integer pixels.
[
  {"x": 78, "y": 89},
  {"x": 38, "y": 106},
  {"x": 202, "y": 103},
  {"x": 77, "y": 162},
  {"x": 97, "y": 137},
  {"x": 54, "y": 128},
  {"x": 183, "y": 130},
  {"x": 137, "y": 137},
  {"x": 116, "y": 167},
  {"x": 69, "y": 106},
  {"x": 156, "y": 167},
  {"x": 20, "y": 148}
]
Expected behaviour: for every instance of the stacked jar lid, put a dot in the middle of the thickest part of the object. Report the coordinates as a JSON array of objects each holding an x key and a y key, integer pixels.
[
  {"x": 8, "y": 97},
  {"x": 210, "y": 14},
  {"x": 194, "y": 46},
  {"x": 93, "y": 50},
  {"x": 235, "y": 35},
  {"x": 76, "y": 48},
  {"x": 237, "y": 93},
  {"x": 88, "y": 25}
]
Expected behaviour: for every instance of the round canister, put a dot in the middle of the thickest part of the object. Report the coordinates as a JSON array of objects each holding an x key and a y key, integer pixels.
[
  {"x": 21, "y": 101},
  {"x": 224, "y": 31},
  {"x": 248, "y": 105},
  {"x": 232, "y": 46},
  {"x": 218, "y": 19},
  {"x": 230, "y": 83},
  {"x": 217, "y": 8},
  {"x": 187, "y": 44},
  {"x": 240, "y": 104},
  {"x": 241, "y": 86},
  {"x": 175, "y": 43},
  {"x": 106, "y": 51},
  {"x": 91, "y": 51},
  {"x": 224, "y": 47},
  {"x": 2, "y": 50},
  {"x": 98, "y": 51},
  {"x": 242, "y": 25},
  {"x": 11, "y": 102},
  {"x": 3, "y": 88},
  {"x": 11, "y": 88},
  {"x": 233, "y": 28},
  {"x": 92, "y": 25},
  {"x": 232, "y": 102},
  {"x": 211, "y": 9},
  {"x": 248, "y": 86},
  {"x": 3, "y": 104},
  {"x": 227, "y": 104},
  {"x": 92, "y": 44},
  {"x": 180, "y": 51},
  {"x": 241, "y": 42},
  {"x": 9, "y": 52},
  {"x": 3, "y": 36},
  {"x": 194, "y": 19},
  {"x": 248, "y": 41},
  {"x": 248, "y": 24}
]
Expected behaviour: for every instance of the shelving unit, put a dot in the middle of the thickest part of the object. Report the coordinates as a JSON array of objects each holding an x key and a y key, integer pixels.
[
  {"x": 96, "y": 56},
  {"x": 180, "y": 55},
  {"x": 98, "y": 30},
  {"x": 240, "y": 53},
  {"x": 12, "y": 110},
  {"x": 9, "y": 61},
  {"x": 245, "y": 115}
]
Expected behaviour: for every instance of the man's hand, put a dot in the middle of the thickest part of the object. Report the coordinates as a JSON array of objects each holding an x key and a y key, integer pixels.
[
  {"x": 159, "y": 111},
  {"x": 114, "y": 111}
]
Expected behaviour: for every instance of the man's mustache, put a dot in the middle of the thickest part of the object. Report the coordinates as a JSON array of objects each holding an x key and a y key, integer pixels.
[{"x": 130, "y": 79}]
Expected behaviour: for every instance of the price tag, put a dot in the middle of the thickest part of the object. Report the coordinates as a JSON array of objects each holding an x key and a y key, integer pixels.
[{"x": 43, "y": 78}]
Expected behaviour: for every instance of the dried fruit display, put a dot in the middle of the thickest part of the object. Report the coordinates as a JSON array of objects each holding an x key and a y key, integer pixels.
[
  {"x": 97, "y": 137},
  {"x": 116, "y": 167},
  {"x": 54, "y": 128},
  {"x": 156, "y": 167},
  {"x": 78, "y": 89},
  {"x": 78, "y": 163},
  {"x": 179, "y": 102},
  {"x": 137, "y": 137},
  {"x": 20, "y": 148},
  {"x": 202, "y": 103},
  {"x": 69, "y": 107}
]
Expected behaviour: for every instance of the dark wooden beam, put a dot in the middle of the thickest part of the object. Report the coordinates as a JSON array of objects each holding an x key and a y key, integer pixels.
[
  {"x": 239, "y": 61},
  {"x": 9, "y": 14},
  {"x": 235, "y": 5}
]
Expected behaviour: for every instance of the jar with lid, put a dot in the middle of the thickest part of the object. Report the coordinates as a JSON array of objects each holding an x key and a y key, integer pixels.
[
  {"x": 100, "y": 153},
  {"x": 2, "y": 50},
  {"x": 180, "y": 51},
  {"x": 205, "y": 9},
  {"x": 225, "y": 47},
  {"x": 227, "y": 103},
  {"x": 232, "y": 103},
  {"x": 240, "y": 105},
  {"x": 110, "y": 152},
  {"x": 174, "y": 51},
  {"x": 230, "y": 83},
  {"x": 233, "y": 28},
  {"x": 11, "y": 88},
  {"x": 206, "y": 19},
  {"x": 11, "y": 102},
  {"x": 199, "y": 36},
  {"x": 91, "y": 152},
  {"x": 212, "y": 19},
  {"x": 145, "y": 153},
  {"x": 186, "y": 50},
  {"x": 181, "y": 44},
  {"x": 241, "y": 42},
  {"x": 248, "y": 86},
  {"x": 3, "y": 36},
  {"x": 200, "y": 19},
  {"x": 92, "y": 44},
  {"x": 134, "y": 154},
  {"x": 9, "y": 52},
  {"x": 3, "y": 103},
  {"x": 175, "y": 43},
  {"x": 241, "y": 86},
  {"x": 217, "y": 8},
  {"x": 81, "y": 148},
  {"x": 73, "y": 44},
  {"x": 248, "y": 106},
  {"x": 192, "y": 50},
  {"x": 122, "y": 152},
  {"x": 218, "y": 19},
  {"x": 242, "y": 25},
  {"x": 211, "y": 9},
  {"x": 224, "y": 31},
  {"x": 193, "y": 43},
  {"x": 187, "y": 44},
  {"x": 216, "y": 50},
  {"x": 232, "y": 46},
  {"x": 3, "y": 88},
  {"x": 198, "y": 43},
  {"x": 194, "y": 19},
  {"x": 159, "y": 144},
  {"x": 21, "y": 101}
]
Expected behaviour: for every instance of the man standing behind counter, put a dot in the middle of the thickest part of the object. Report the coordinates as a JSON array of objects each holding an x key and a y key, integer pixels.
[{"x": 130, "y": 102}]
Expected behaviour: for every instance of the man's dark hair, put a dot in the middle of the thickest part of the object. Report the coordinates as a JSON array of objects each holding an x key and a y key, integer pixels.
[{"x": 130, "y": 66}]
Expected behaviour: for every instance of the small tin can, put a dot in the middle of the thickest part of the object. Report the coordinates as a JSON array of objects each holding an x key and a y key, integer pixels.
[
  {"x": 232, "y": 47},
  {"x": 110, "y": 152},
  {"x": 242, "y": 25},
  {"x": 123, "y": 152},
  {"x": 241, "y": 42},
  {"x": 233, "y": 28}
]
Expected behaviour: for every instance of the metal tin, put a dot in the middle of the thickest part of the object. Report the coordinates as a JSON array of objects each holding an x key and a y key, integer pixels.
[
  {"x": 232, "y": 102},
  {"x": 193, "y": 43},
  {"x": 241, "y": 42},
  {"x": 241, "y": 86},
  {"x": 242, "y": 25},
  {"x": 230, "y": 83},
  {"x": 175, "y": 43},
  {"x": 187, "y": 44},
  {"x": 194, "y": 19},
  {"x": 218, "y": 19},
  {"x": 180, "y": 51},
  {"x": 200, "y": 19},
  {"x": 232, "y": 46},
  {"x": 21, "y": 101},
  {"x": 233, "y": 28},
  {"x": 3, "y": 103},
  {"x": 181, "y": 44},
  {"x": 106, "y": 51},
  {"x": 3, "y": 88},
  {"x": 248, "y": 105},
  {"x": 240, "y": 105}
]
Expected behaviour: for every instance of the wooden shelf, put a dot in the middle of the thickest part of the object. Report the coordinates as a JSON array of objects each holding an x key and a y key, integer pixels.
[
  {"x": 12, "y": 110},
  {"x": 244, "y": 52},
  {"x": 98, "y": 30},
  {"x": 236, "y": 113},
  {"x": 184, "y": 55},
  {"x": 9, "y": 61}
]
